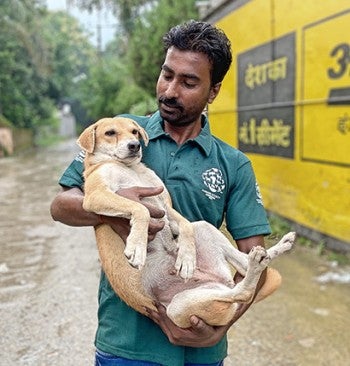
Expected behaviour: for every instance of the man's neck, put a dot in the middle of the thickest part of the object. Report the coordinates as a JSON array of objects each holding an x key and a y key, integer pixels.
[{"x": 181, "y": 134}]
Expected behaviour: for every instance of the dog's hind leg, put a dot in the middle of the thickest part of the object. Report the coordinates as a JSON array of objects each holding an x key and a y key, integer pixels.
[
  {"x": 239, "y": 260},
  {"x": 282, "y": 246},
  {"x": 185, "y": 264},
  {"x": 216, "y": 304},
  {"x": 214, "y": 241}
]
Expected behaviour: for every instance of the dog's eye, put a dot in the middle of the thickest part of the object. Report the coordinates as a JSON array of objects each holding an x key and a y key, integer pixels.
[
  {"x": 135, "y": 132},
  {"x": 110, "y": 133}
]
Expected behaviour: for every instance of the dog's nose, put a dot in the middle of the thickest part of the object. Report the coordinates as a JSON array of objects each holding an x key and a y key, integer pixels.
[{"x": 134, "y": 146}]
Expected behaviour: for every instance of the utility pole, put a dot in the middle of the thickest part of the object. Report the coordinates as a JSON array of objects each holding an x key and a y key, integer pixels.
[
  {"x": 99, "y": 31},
  {"x": 68, "y": 6}
]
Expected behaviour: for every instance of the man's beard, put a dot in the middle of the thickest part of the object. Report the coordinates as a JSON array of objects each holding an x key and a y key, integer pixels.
[{"x": 177, "y": 117}]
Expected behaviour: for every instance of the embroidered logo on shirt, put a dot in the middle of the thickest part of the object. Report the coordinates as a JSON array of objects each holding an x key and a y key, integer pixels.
[
  {"x": 258, "y": 194},
  {"x": 214, "y": 180}
]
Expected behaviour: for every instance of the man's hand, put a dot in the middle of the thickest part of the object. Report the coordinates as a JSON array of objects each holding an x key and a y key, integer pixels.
[
  {"x": 199, "y": 334},
  {"x": 122, "y": 226}
]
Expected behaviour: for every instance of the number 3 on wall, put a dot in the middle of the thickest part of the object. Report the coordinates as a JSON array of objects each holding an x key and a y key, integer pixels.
[{"x": 342, "y": 54}]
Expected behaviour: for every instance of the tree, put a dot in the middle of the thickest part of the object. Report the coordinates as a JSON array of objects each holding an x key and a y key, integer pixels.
[
  {"x": 126, "y": 76},
  {"x": 23, "y": 64},
  {"x": 70, "y": 54},
  {"x": 43, "y": 57},
  {"x": 127, "y": 11},
  {"x": 146, "y": 58}
]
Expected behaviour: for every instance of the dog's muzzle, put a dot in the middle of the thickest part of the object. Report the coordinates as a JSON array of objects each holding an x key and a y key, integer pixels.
[{"x": 134, "y": 147}]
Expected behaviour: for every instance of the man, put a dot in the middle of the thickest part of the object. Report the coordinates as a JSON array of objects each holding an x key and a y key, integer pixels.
[{"x": 207, "y": 179}]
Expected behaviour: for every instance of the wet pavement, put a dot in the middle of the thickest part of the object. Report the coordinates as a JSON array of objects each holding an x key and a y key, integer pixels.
[{"x": 49, "y": 278}]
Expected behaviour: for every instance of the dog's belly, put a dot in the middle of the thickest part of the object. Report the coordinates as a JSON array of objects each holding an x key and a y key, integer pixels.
[{"x": 162, "y": 283}]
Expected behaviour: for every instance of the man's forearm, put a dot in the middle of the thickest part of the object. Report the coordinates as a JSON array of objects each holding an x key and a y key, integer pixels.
[{"x": 67, "y": 207}]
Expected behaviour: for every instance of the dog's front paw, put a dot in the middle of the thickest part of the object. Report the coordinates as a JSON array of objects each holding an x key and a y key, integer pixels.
[
  {"x": 136, "y": 254},
  {"x": 258, "y": 258},
  {"x": 186, "y": 262}
]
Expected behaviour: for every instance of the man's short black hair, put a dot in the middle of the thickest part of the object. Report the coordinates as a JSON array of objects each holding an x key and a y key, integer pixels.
[{"x": 202, "y": 37}]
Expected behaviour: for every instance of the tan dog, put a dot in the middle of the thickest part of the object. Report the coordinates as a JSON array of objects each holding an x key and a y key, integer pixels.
[{"x": 188, "y": 265}]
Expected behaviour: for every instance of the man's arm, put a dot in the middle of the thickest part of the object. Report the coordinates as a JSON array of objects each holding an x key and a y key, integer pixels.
[{"x": 67, "y": 208}]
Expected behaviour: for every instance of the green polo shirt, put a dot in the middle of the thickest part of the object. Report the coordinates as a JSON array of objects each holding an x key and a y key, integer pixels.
[{"x": 208, "y": 180}]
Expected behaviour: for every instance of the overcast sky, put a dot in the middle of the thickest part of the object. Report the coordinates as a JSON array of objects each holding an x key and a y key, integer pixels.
[{"x": 90, "y": 21}]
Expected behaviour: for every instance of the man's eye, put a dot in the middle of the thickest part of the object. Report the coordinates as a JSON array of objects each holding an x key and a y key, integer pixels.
[
  {"x": 167, "y": 76},
  {"x": 110, "y": 133},
  {"x": 189, "y": 85}
]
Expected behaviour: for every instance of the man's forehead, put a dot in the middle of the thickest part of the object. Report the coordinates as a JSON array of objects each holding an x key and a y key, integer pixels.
[{"x": 187, "y": 63}]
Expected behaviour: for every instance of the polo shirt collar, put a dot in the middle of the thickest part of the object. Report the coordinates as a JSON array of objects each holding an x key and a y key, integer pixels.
[{"x": 204, "y": 139}]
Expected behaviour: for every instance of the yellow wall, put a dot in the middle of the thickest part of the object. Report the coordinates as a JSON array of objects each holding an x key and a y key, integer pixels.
[{"x": 286, "y": 103}]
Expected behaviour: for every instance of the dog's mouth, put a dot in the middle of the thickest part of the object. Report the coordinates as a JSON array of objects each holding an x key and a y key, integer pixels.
[{"x": 129, "y": 158}]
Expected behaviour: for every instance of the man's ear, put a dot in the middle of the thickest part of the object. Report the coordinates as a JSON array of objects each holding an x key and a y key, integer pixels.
[{"x": 214, "y": 91}]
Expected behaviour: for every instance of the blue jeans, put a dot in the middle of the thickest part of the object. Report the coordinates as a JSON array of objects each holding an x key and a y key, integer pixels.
[{"x": 106, "y": 359}]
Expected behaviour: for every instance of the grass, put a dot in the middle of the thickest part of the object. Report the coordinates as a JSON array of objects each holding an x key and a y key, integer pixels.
[{"x": 280, "y": 226}]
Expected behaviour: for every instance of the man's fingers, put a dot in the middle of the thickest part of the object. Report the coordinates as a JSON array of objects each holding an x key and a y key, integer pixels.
[
  {"x": 145, "y": 192},
  {"x": 150, "y": 191},
  {"x": 155, "y": 212},
  {"x": 138, "y": 193},
  {"x": 197, "y": 323}
]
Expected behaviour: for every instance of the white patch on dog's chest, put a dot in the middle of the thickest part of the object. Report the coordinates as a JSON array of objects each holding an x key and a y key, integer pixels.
[{"x": 117, "y": 176}]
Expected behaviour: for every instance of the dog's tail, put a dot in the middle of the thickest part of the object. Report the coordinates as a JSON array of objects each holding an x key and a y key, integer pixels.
[{"x": 124, "y": 279}]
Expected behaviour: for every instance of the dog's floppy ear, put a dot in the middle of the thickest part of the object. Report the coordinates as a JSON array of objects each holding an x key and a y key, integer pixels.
[
  {"x": 142, "y": 133},
  {"x": 87, "y": 139}
]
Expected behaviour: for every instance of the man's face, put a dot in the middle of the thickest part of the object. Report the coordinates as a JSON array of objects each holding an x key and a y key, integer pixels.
[{"x": 184, "y": 87}]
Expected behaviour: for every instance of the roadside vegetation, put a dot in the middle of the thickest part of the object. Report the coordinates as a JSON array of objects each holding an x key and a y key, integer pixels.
[{"x": 47, "y": 59}]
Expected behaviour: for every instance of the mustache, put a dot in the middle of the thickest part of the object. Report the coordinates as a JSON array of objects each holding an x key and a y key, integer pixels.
[{"x": 172, "y": 102}]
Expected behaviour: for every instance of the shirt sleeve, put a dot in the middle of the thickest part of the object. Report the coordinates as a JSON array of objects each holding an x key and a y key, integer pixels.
[
  {"x": 73, "y": 175},
  {"x": 245, "y": 214}
]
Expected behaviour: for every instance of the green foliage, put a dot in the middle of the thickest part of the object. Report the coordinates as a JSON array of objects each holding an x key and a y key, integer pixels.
[
  {"x": 144, "y": 22},
  {"x": 70, "y": 54},
  {"x": 42, "y": 58},
  {"x": 46, "y": 58},
  {"x": 109, "y": 90},
  {"x": 4, "y": 122},
  {"x": 279, "y": 226},
  {"x": 145, "y": 46},
  {"x": 22, "y": 65},
  {"x": 99, "y": 89},
  {"x": 127, "y": 11}
]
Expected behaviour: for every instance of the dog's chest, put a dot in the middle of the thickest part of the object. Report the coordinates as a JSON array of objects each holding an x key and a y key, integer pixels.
[{"x": 118, "y": 176}]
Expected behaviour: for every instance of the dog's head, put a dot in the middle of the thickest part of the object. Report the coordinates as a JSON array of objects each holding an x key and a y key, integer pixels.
[{"x": 114, "y": 139}]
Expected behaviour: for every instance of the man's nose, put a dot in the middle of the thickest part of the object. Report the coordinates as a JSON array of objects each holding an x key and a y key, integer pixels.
[{"x": 172, "y": 90}]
